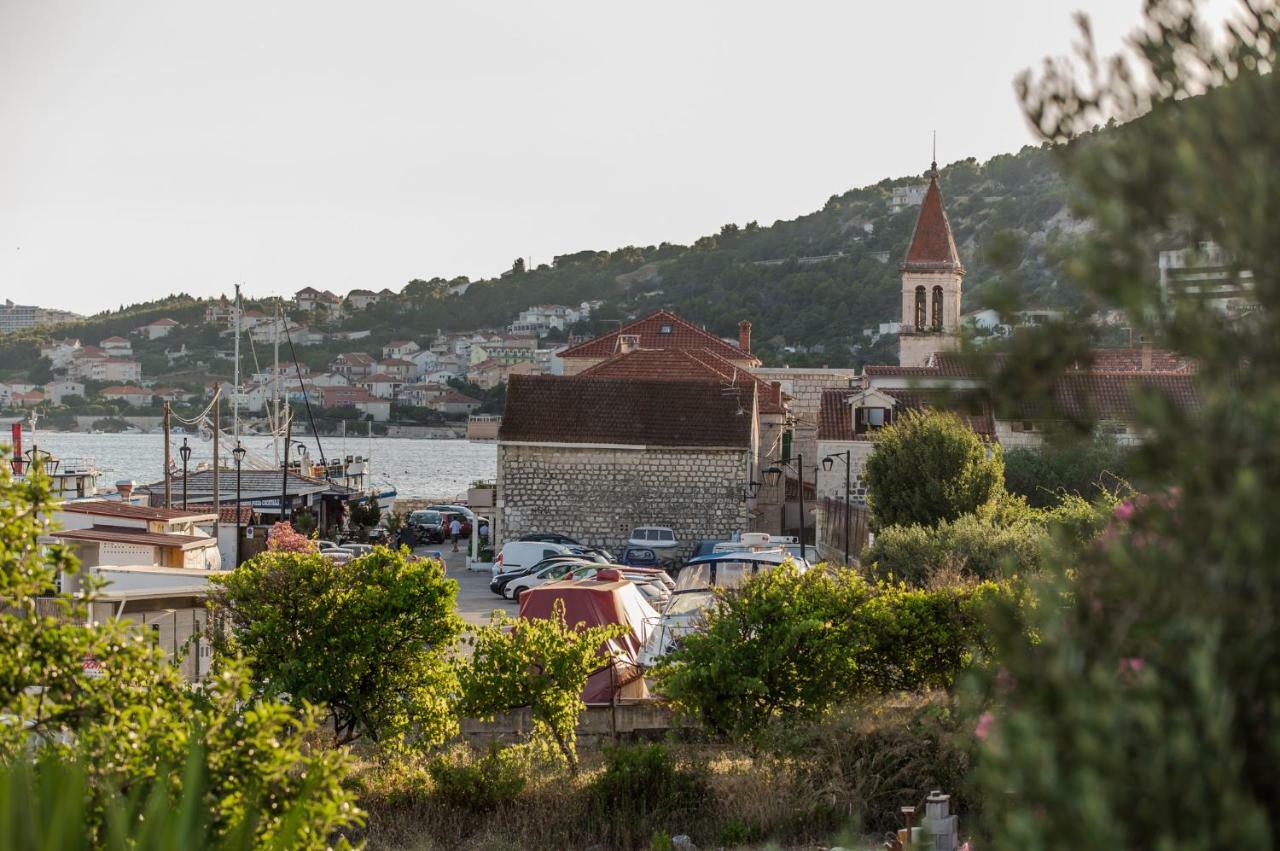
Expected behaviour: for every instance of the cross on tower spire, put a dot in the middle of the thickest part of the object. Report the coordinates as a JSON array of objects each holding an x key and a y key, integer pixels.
[{"x": 933, "y": 168}]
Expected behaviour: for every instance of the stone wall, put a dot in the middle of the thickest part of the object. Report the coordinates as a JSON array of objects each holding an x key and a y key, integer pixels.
[
  {"x": 805, "y": 387},
  {"x": 598, "y": 494}
]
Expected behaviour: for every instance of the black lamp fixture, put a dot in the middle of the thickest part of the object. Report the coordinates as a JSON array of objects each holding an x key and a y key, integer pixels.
[
  {"x": 185, "y": 451},
  {"x": 752, "y": 489},
  {"x": 238, "y": 455},
  {"x": 774, "y": 474},
  {"x": 828, "y": 463}
]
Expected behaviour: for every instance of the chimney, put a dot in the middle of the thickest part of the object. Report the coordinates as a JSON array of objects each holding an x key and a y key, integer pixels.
[
  {"x": 628, "y": 343},
  {"x": 1146, "y": 356},
  {"x": 124, "y": 487},
  {"x": 744, "y": 335}
]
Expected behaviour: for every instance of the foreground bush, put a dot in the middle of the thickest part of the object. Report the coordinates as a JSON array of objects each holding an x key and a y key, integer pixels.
[
  {"x": 368, "y": 639},
  {"x": 132, "y": 728},
  {"x": 643, "y": 791},
  {"x": 791, "y": 645},
  {"x": 481, "y": 782},
  {"x": 859, "y": 766}
]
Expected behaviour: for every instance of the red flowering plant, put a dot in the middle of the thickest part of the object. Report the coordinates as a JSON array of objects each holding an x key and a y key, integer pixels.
[{"x": 283, "y": 538}]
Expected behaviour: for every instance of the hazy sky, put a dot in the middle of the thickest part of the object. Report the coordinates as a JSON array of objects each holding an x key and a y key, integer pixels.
[{"x": 153, "y": 146}]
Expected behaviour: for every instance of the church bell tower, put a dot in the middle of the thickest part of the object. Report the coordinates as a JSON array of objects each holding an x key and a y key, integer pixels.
[{"x": 932, "y": 281}]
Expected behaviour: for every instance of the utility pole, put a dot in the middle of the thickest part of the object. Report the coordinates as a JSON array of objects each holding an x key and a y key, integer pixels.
[
  {"x": 284, "y": 468},
  {"x": 235, "y": 397},
  {"x": 168, "y": 459},
  {"x": 217, "y": 427}
]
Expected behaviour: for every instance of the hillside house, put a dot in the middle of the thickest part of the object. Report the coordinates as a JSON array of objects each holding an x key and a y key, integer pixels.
[
  {"x": 354, "y": 365},
  {"x": 117, "y": 347},
  {"x": 396, "y": 368},
  {"x": 454, "y": 403},
  {"x": 360, "y": 299},
  {"x": 139, "y": 397},
  {"x": 156, "y": 329},
  {"x": 60, "y": 353},
  {"x": 490, "y": 373},
  {"x": 542, "y": 318},
  {"x": 594, "y": 457},
  {"x": 381, "y": 385},
  {"x": 57, "y": 391},
  {"x": 379, "y": 410},
  {"x": 26, "y": 398},
  {"x": 421, "y": 395},
  {"x": 403, "y": 349},
  {"x": 311, "y": 299}
]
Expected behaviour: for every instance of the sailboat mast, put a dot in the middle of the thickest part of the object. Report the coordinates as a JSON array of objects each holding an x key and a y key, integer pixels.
[
  {"x": 275, "y": 385},
  {"x": 235, "y": 394}
]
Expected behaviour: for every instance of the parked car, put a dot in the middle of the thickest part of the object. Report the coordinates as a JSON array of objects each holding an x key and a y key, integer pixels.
[
  {"x": 550, "y": 573},
  {"x": 468, "y": 515},
  {"x": 660, "y": 584},
  {"x": 427, "y": 526},
  {"x": 498, "y": 582},
  {"x": 357, "y": 549},
  {"x": 549, "y": 538},
  {"x": 659, "y": 537},
  {"x": 640, "y": 557},
  {"x": 337, "y": 555},
  {"x": 518, "y": 554}
]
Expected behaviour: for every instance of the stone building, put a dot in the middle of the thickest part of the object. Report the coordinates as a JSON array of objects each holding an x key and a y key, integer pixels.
[{"x": 593, "y": 457}]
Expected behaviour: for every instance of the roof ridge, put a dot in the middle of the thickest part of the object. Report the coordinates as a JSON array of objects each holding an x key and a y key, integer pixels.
[{"x": 932, "y": 246}]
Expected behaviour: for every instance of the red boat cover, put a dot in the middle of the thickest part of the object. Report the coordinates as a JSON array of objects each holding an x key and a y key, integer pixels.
[{"x": 592, "y": 603}]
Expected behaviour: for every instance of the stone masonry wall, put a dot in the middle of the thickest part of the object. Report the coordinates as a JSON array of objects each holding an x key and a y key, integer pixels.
[
  {"x": 805, "y": 387},
  {"x": 597, "y": 495}
]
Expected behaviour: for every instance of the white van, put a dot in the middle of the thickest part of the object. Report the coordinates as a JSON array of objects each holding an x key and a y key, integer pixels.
[{"x": 518, "y": 554}]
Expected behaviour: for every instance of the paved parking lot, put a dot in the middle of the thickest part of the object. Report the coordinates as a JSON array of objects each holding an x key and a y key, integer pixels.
[{"x": 475, "y": 600}]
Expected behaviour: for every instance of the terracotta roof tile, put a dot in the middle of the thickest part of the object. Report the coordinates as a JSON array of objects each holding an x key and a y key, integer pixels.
[
  {"x": 682, "y": 335},
  {"x": 627, "y": 411},
  {"x": 835, "y": 416},
  {"x": 1111, "y": 395},
  {"x": 686, "y": 365},
  {"x": 933, "y": 248},
  {"x": 111, "y": 508}
]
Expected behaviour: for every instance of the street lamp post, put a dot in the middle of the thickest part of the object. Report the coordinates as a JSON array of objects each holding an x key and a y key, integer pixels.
[
  {"x": 827, "y": 464},
  {"x": 185, "y": 451},
  {"x": 775, "y": 475},
  {"x": 238, "y": 454}
]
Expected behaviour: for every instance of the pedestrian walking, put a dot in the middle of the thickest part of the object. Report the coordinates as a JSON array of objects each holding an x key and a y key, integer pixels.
[{"x": 455, "y": 529}]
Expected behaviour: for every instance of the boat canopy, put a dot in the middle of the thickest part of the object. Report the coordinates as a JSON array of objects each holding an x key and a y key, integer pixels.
[{"x": 728, "y": 570}]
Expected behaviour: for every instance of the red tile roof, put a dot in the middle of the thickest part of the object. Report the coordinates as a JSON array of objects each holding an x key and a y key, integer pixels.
[
  {"x": 933, "y": 248},
  {"x": 111, "y": 508},
  {"x": 835, "y": 416},
  {"x": 683, "y": 335},
  {"x": 125, "y": 390},
  {"x": 625, "y": 411},
  {"x": 1111, "y": 395},
  {"x": 686, "y": 365}
]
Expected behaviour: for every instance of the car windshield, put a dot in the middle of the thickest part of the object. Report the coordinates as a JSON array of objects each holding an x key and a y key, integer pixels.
[
  {"x": 425, "y": 517},
  {"x": 688, "y": 603}
]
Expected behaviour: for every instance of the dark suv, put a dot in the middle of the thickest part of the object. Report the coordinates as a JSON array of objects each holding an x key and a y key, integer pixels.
[{"x": 427, "y": 526}]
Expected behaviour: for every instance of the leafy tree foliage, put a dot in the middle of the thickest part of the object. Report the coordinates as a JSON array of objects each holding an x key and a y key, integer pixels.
[
  {"x": 133, "y": 724},
  {"x": 929, "y": 467},
  {"x": 540, "y": 663},
  {"x": 366, "y": 513},
  {"x": 1143, "y": 715},
  {"x": 1005, "y": 539},
  {"x": 1090, "y": 468},
  {"x": 368, "y": 639},
  {"x": 791, "y": 645}
]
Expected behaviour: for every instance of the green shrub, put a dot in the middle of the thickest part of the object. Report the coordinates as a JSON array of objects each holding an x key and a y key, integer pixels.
[
  {"x": 867, "y": 760},
  {"x": 643, "y": 791},
  {"x": 483, "y": 783},
  {"x": 1047, "y": 475},
  {"x": 791, "y": 645},
  {"x": 930, "y": 467},
  {"x": 973, "y": 545}
]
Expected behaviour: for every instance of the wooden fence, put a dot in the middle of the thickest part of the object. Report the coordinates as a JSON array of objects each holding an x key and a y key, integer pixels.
[{"x": 833, "y": 530}]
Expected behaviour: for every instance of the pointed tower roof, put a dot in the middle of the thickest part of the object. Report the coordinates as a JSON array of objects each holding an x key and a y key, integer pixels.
[{"x": 933, "y": 248}]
